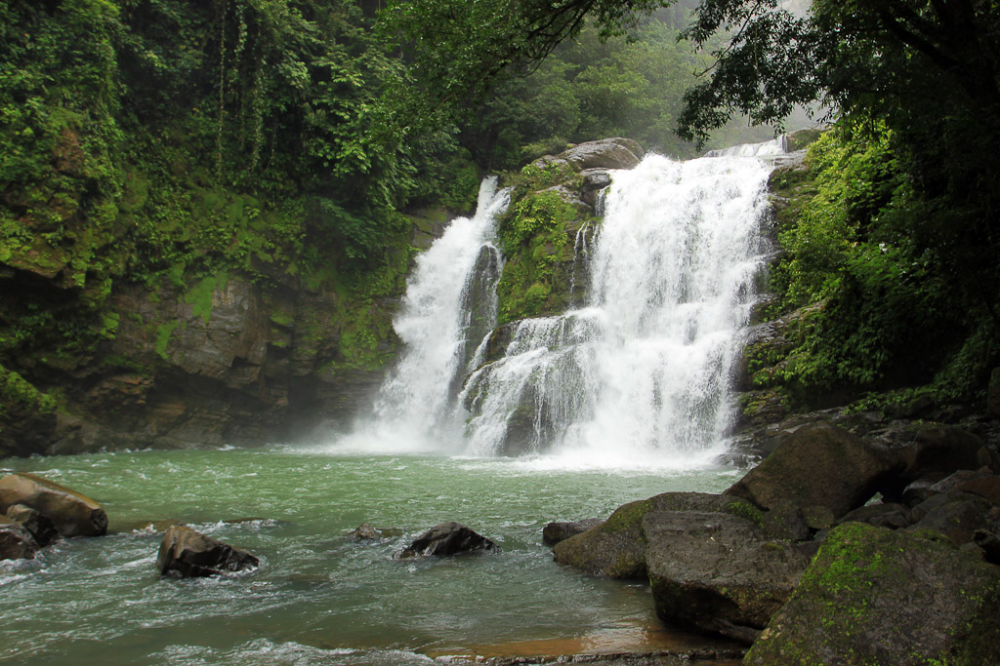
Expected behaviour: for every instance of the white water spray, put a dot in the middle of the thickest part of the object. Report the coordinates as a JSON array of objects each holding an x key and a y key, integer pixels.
[
  {"x": 636, "y": 377},
  {"x": 452, "y": 286},
  {"x": 640, "y": 376}
]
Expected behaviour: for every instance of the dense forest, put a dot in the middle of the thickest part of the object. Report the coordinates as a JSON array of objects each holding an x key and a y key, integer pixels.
[{"x": 164, "y": 147}]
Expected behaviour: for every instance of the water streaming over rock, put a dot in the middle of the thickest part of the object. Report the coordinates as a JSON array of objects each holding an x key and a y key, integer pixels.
[
  {"x": 642, "y": 371},
  {"x": 449, "y": 308},
  {"x": 638, "y": 373}
]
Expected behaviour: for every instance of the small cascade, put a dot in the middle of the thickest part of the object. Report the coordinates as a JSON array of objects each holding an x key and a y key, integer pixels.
[{"x": 641, "y": 371}]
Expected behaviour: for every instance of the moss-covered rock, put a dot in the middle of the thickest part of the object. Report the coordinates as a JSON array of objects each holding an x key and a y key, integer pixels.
[
  {"x": 852, "y": 471},
  {"x": 877, "y": 597},
  {"x": 719, "y": 573},
  {"x": 617, "y": 547}
]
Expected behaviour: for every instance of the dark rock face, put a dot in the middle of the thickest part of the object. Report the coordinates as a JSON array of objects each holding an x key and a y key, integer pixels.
[
  {"x": 955, "y": 515},
  {"x": 449, "y": 539},
  {"x": 875, "y": 596},
  {"x": 72, "y": 514},
  {"x": 618, "y": 547},
  {"x": 554, "y": 533},
  {"x": 718, "y": 573},
  {"x": 41, "y": 528},
  {"x": 851, "y": 471},
  {"x": 185, "y": 553},
  {"x": 16, "y": 543}
]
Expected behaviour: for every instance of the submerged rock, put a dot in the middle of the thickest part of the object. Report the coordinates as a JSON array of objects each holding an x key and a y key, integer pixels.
[
  {"x": 851, "y": 471},
  {"x": 72, "y": 513},
  {"x": 449, "y": 539},
  {"x": 16, "y": 543},
  {"x": 554, "y": 533},
  {"x": 365, "y": 532},
  {"x": 875, "y": 596},
  {"x": 719, "y": 573},
  {"x": 185, "y": 553}
]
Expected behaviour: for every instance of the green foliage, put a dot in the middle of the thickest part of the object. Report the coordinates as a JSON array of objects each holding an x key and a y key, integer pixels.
[
  {"x": 535, "y": 237},
  {"x": 885, "y": 314},
  {"x": 16, "y": 394}
]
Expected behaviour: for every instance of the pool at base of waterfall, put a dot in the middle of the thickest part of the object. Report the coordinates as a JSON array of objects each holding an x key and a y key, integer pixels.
[{"x": 320, "y": 596}]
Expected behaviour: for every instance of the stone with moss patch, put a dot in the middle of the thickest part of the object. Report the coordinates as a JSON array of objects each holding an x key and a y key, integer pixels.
[{"x": 879, "y": 597}]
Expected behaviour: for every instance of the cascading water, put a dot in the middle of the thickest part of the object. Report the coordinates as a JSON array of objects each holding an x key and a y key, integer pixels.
[
  {"x": 449, "y": 307},
  {"x": 639, "y": 375}
]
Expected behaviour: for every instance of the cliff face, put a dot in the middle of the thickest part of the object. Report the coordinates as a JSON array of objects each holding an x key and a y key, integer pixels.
[{"x": 226, "y": 361}]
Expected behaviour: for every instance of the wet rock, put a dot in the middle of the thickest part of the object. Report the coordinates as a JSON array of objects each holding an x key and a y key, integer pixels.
[
  {"x": 185, "y": 553},
  {"x": 818, "y": 517},
  {"x": 718, "y": 573},
  {"x": 16, "y": 543},
  {"x": 989, "y": 543},
  {"x": 920, "y": 490},
  {"x": 613, "y": 153},
  {"x": 366, "y": 532},
  {"x": 41, "y": 528},
  {"x": 993, "y": 398},
  {"x": 955, "y": 515},
  {"x": 617, "y": 548},
  {"x": 449, "y": 538},
  {"x": 890, "y": 515},
  {"x": 943, "y": 449},
  {"x": 554, "y": 533},
  {"x": 72, "y": 513},
  {"x": 986, "y": 487},
  {"x": 851, "y": 470},
  {"x": 786, "y": 521},
  {"x": 875, "y": 596}
]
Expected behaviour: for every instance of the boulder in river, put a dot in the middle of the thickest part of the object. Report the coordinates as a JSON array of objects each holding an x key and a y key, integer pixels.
[
  {"x": 185, "y": 553},
  {"x": 449, "y": 538},
  {"x": 719, "y": 573},
  {"x": 819, "y": 465},
  {"x": 41, "y": 528},
  {"x": 617, "y": 548},
  {"x": 876, "y": 596},
  {"x": 72, "y": 513},
  {"x": 554, "y": 533},
  {"x": 16, "y": 543}
]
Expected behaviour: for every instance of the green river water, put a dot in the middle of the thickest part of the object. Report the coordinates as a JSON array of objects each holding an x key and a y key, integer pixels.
[{"x": 320, "y": 597}]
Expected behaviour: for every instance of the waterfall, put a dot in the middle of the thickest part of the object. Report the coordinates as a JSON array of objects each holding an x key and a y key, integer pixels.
[
  {"x": 635, "y": 376},
  {"x": 641, "y": 372},
  {"x": 448, "y": 309}
]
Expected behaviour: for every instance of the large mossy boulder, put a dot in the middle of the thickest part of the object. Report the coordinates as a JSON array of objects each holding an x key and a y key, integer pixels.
[
  {"x": 72, "y": 514},
  {"x": 719, "y": 573},
  {"x": 878, "y": 597},
  {"x": 617, "y": 547},
  {"x": 819, "y": 465},
  {"x": 185, "y": 553}
]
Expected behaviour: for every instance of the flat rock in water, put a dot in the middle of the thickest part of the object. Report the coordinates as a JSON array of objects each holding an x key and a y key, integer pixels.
[
  {"x": 449, "y": 539},
  {"x": 72, "y": 513},
  {"x": 16, "y": 543},
  {"x": 719, "y": 573},
  {"x": 851, "y": 471},
  {"x": 185, "y": 553},
  {"x": 617, "y": 548},
  {"x": 877, "y": 596}
]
